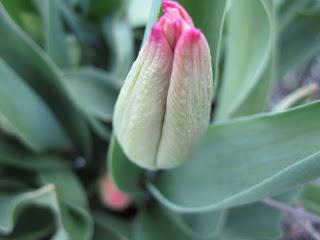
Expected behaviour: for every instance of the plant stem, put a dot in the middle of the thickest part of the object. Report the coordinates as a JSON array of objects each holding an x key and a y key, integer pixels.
[
  {"x": 307, "y": 225},
  {"x": 297, "y": 212}
]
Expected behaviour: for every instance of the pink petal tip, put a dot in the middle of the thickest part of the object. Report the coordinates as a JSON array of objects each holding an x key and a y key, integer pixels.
[
  {"x": 171, "y": 6},
  {"x": 194, "y": 34}
]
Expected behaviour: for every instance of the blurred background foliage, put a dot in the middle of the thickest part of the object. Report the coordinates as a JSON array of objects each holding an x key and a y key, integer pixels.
[{"x": 62, "y": 64}]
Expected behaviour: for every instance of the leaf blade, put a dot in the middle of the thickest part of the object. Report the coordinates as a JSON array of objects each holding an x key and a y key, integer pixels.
[{"x": 291, "y": 162}]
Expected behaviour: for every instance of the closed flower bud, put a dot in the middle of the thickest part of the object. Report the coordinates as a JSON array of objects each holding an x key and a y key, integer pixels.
[{"x": 164, "y": 106}]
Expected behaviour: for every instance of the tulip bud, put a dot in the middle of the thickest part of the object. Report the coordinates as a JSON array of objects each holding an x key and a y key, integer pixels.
[{"x": 164, "y": 105}]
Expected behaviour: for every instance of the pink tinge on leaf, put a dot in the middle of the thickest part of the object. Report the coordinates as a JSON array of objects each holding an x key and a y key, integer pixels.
[{"x": 111, "y": 196}]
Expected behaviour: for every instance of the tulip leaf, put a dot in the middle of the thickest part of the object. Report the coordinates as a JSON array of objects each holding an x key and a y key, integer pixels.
[
  {"x": 11, "y": 183},
  {"x": 41, "y": 226},
  {"x": 111, "y": 227},
  {"x": 35, "y": 67},
  {"x": 299, "y": 40},
  {"x": 120, "y": 164},
  {"x": 32, "y": 26},
  {"x": 119, "y": 37},
  {"x": 255, "y": 221},
  {"x": 251, "y": 222},
  {"x": 204, "y": 225},
  {"x": 100, "y": 8},
  {"x": 287, "y": 10},
  {"x": 90, "y": 40},
  {"x": 73, "y": 202},
  {"x": 249, "y": 59},
  {"x": 13, "y": 203},
  {"x": 153, "y": 223},
  {"x": 139, "y": 11},
  {"x": 100, "y": 129},
  {"x": 245, "y": 160},
  {"x": 62, "y": 195},
  {"x": 54, "y": 37},
  {"x": 93, "y": 91},
  {"x": 17, "y": 8},
  {"x": 11, "y": 154},
  {"x": 27, "y": 114},
  {"x": 310, "y": 198},
  {"x": 153, "y": 17}
]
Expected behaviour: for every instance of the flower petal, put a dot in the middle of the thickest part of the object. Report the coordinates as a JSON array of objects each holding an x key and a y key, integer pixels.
[
  {"x": 140, "y": 108},
  {"x": 189, "y": 99}
]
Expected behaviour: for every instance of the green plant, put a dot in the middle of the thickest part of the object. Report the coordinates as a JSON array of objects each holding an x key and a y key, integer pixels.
[{"x": 62, "y": 64}]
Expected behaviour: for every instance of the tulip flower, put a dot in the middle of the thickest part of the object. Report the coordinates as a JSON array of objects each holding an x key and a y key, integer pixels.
[{"x": 163, "y": 108}]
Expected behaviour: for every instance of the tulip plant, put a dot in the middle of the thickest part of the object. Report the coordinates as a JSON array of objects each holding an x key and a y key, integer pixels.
[{"x": 152, "y": 120}]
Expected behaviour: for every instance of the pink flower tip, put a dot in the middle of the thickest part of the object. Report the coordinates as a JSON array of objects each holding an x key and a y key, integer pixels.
[
  {"x": 174, "y": 8},
  {"x": 194, "y": 34},
  {"x": 111, "y": 196},
  {"x": 156, "y": 33}
]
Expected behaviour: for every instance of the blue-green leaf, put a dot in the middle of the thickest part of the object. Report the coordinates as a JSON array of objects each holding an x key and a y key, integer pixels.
[
  {"x": 249, "y": 58},
  {"x": 27, "y": 115},
  {"x": 36, "y": 68},
  {"x": 245, "y": 160}
]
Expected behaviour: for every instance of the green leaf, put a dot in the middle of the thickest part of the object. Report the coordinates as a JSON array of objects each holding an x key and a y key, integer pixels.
[
  {"x": 83, "y": 5},
  {"x": 11, "y": 183},
  {"x": 11, "y": 154},
  {"x": 73, "y": 202},
  {"x": 94, "y": 91},
  {"x": 77, "y": 222},
  {"x": 287, "y": 10},
  {"x": 41, "y": 226},
  {"x": 13, "y": 203},
  {"x": 310, "y": 198},
  {"x": 111, "y": 227},
  {"x": 16, "y": 8},
  {"x": 153, "y": 17},
  {"x": 119, "y": 165},
  {"x": 90, "y": 39},
  {"x": 65, "y": 200},
  {"x": 28, "y": 115},
  {"x": 252, "y": 222},
  {"x": 100, "y": 129},
  {"x": 255, "y": 221},
  {"x": 204, "y": 225},
  {"x": 298, "y": 41},
  {"x": 245, "y": 160},
  {"x": 34, "y": 66},
  {"x": 64, "y": 180},
  {"x": 32, "y": 26},
  {"x": 139, "y": 11},
  {"x": 102, "y": 233},
  {"x": 100, "y": 9},
  {"x": 153, "y": 223},
  {"x": 119, "y": 37},
  {"x": 54, "y": 36},
  {"x": 249, "y": 55}
]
